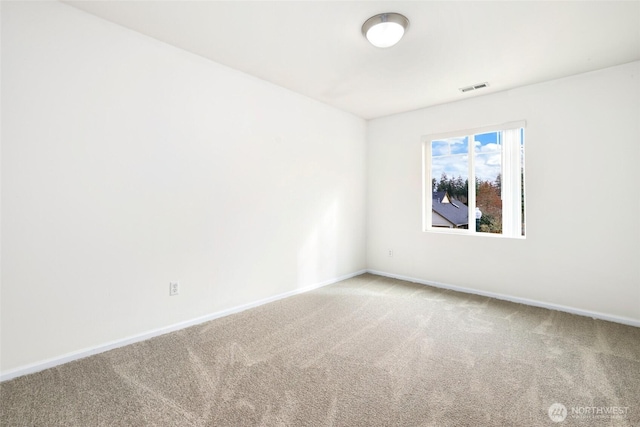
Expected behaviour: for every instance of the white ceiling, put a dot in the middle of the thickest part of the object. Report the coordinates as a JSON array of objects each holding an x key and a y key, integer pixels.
[{"x": 316, "y": 48}]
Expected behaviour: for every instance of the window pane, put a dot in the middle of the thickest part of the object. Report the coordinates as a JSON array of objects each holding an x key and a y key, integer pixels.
[
  {"x": 488, "y": 169},
  {"x": 494, "y": 203},
  {"x": 450, "y": 182}
]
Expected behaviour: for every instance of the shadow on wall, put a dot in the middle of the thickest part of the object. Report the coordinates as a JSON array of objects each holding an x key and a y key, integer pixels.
[{"x": 318, "y": 256}]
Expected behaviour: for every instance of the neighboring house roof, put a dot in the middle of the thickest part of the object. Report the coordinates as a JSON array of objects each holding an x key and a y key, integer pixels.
[{"x": 453, "y": 210}]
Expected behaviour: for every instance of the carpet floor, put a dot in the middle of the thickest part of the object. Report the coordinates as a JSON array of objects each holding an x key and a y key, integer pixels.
[{"x": 368, "y": 351}]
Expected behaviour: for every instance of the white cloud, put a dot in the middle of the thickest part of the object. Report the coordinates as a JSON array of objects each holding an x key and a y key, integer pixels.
[
  {"x": 452, "y": 166},
  {"x": 449, "y": 146},
  {"x": 490, "y": 148},
  {"x": 488, "y": 159},
  {"x": 488, "y": 166}
]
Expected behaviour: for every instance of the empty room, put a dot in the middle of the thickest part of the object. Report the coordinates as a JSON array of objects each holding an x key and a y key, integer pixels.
[{"x": 259, "y": 213}]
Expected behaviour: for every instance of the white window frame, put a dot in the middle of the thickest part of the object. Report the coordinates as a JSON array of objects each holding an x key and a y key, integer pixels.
[{"x": 511, "y": 185}]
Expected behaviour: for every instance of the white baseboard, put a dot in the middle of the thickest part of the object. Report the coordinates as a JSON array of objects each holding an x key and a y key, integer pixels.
[
  {"x": 550, "y": 306},
  {"x": 69, "y": 357}
]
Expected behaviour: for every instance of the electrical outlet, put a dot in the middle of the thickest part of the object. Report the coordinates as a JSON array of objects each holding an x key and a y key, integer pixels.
[
  {"x": 174, "y": 288},
  {"x": 390, "y": 252}
]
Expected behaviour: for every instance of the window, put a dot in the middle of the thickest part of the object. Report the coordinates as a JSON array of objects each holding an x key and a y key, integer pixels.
[{"x": 493, "y": 159}]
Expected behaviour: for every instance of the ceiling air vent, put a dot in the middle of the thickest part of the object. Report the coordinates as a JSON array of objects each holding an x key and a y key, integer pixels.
[{"x": 474, "y": 87}]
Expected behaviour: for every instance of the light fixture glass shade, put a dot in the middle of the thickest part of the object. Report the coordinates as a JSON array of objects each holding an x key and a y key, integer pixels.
[{"x": 385, "y": 29}]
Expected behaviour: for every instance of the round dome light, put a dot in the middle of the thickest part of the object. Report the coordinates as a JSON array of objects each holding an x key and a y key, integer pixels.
[{"x": 385, "y": 29}]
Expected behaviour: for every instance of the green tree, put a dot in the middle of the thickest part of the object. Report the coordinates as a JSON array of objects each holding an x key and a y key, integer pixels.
[{"x": 442, "y": 184}]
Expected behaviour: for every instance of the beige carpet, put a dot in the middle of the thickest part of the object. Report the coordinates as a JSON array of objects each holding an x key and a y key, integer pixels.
[{"x": 369, "y": 351}]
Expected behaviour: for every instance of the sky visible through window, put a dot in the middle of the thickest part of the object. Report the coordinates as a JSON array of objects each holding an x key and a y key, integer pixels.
[{"x": 451, "y": 156}]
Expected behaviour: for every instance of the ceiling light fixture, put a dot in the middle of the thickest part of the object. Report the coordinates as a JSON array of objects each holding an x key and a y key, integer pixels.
[{"x": 385, "y": 29}]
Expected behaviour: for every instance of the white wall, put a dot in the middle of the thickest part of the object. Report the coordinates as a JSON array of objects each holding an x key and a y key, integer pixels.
[
  {"x": 582, "y": 171},
  {"x": 127, "y": 163}
]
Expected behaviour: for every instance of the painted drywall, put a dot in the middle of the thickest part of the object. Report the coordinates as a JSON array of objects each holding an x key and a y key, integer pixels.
[
  {"x": 127, "y": 164},
  {"x": 582, "y": 208}
]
